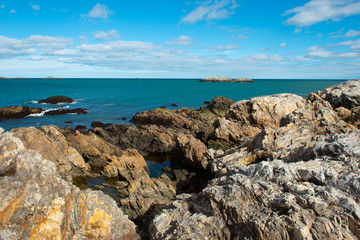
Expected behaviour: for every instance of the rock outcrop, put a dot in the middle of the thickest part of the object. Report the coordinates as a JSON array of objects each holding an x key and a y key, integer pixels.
[
  {"x": 37, "y": 204},
  {"x": 63, "y": 111},
  {"x": 345, "y": 94},
  {"x": 52, "y": 145},
  {"x": 315, "y": 199},
  {"x": 13, "y": 112},
  {"x": 140, "y": 195},
  {"x": 57, "y": 100}
]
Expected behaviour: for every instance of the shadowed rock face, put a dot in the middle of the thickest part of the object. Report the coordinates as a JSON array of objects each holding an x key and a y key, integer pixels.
[
  {"x": 37, "y": 204},
  {"x": 57, "y": 100},
  {"x": 12, "y": 112}
]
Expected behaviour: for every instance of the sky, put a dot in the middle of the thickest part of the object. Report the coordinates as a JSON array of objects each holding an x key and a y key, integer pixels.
[{"x": 282, "y": 39}]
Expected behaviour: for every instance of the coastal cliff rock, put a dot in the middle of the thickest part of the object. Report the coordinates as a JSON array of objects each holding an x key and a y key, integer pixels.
[
  {"x": 57, "y": 100},
  {"x": 266, "y": 111},
  {"x": 345, "y": 94},
  {"x": 37, "y": 204},
  {"x": 12, "y": 112},
  {"x": 315, "y": 199},
  {"x": 140, "y": 194},
  {"x": 52, "y": 145}
]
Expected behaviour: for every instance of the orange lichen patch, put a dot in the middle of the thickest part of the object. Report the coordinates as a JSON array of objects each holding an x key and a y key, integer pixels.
[
  {"x": 14, "y": 205},
  {"x": 82, "y": 216},
  {"x": 50, "y": 227},
  {"x": 99, "y": 225}
]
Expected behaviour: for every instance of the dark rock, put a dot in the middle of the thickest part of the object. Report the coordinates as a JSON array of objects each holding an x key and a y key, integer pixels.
[
  {"x": 57, "y": 100},
  {"x": 63, "y": 111},
  {"x": 124, "y": 118},
  {"x": 207, "y": 102},
  {"x": 225, "y": 100},
  {"x": 69, "y": 122},
  {"x": 80, "y": 127},
  {"x": 174, "y": 105},
  {"x": 13, "y": 112},
  {"x": 100, "y": 125}
]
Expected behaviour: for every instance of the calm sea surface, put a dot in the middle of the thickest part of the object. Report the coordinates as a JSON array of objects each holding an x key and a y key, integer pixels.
[{"x": 111, "y": 100}]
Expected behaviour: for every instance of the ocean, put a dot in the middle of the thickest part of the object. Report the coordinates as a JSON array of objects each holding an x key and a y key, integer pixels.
[{"x": 118, "y": 100}]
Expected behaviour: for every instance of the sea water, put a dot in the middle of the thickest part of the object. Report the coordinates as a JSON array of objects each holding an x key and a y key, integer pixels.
[{"x": 118, "y": 100}]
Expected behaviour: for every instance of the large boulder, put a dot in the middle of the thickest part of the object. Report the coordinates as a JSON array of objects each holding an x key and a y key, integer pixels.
[
  {"x": 37, "y": 204},
  {"x": 345, "y": 94},
  {"x": 52, "y": 145},
  {"x": 316, "y": 199},
  {"x": 266, "y": 111},
  {"x": 12, "y": 112}
]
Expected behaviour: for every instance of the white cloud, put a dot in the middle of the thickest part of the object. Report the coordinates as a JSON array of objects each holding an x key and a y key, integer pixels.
[
  {"x": 12, "y": 11},
  {"x": 352, "y": 33},
  {"x": 100, "y": 11},
  {"x": 263, "y": 57},
  {"x": 282, "y": 45},
  {"x": 264, "y": 49},
  {"x": 316, "y": 11},
  {"x": 100, "y": 35},
  {"x": 240, "y": 36},
  {"x": 298, "y": 30},
  {"x": 2, "y": 6},
  {"x": 36, "y": 7},
  {"x": 118, "y": 46},
  {"x": 224, "y": 48},
  {"x": 182, "y": 40},
  {"x": 211, "y": 10}
]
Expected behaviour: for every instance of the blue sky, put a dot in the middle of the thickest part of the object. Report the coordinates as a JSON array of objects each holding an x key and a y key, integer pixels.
[{"x": 180, "y": 39}]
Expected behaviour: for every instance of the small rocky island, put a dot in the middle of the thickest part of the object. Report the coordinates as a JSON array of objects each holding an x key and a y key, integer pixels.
[
  {"x": 270, "y": 167},
  {"x": 226, "y": 79}
]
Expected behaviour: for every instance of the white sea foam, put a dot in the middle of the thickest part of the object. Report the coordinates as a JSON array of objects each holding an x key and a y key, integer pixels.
[
  {"x": 109, "y": 104},
  {"x": 45, "y": 111},
  {"x": 32, "y": 102}
]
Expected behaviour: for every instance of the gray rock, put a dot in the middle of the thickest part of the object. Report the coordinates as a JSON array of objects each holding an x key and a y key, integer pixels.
[
  {"x": 314, "y": 199},
  {"x": 345, "y": 94}
]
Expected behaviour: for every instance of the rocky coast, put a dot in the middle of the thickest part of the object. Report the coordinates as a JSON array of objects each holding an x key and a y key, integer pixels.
[{"x": 270, "y": 167}]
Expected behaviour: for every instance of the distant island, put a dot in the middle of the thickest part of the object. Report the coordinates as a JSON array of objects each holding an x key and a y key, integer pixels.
[
  {"x": 51, "y": 77},
  {"x": 226, "y": 79}
]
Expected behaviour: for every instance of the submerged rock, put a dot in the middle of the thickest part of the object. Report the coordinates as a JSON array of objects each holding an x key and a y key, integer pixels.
[
  {"x": 37, "y": 204},
  {"x": 13, "y": 112},
  {"x": 57, "y": 100}
]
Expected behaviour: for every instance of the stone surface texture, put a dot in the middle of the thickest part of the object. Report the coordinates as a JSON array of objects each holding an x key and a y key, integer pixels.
[{"x": 37, "y": 204}]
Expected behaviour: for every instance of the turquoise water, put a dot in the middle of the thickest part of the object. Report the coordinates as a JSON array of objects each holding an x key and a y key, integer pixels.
[{"x": 111, "y": 100}]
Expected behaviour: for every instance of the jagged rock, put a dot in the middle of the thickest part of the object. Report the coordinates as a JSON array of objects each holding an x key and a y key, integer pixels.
[
  {"x": 316, "y": 199},
  {"x": 193, "y": 150},
  {"x": 147, "y": 139},
  {"x": 57, "y": 100},
  {"x": 345, "y": 94},
  {"x": 12, "y": 112},
  {"x": 37, "y": 204},
  {"x": 266, "y": 111},
  {"x": 94, "y": 150},
  {"x": 52, "y": 145},
  {"x": 140, "y": 194},
  {"x": 216, "y": 79}
]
